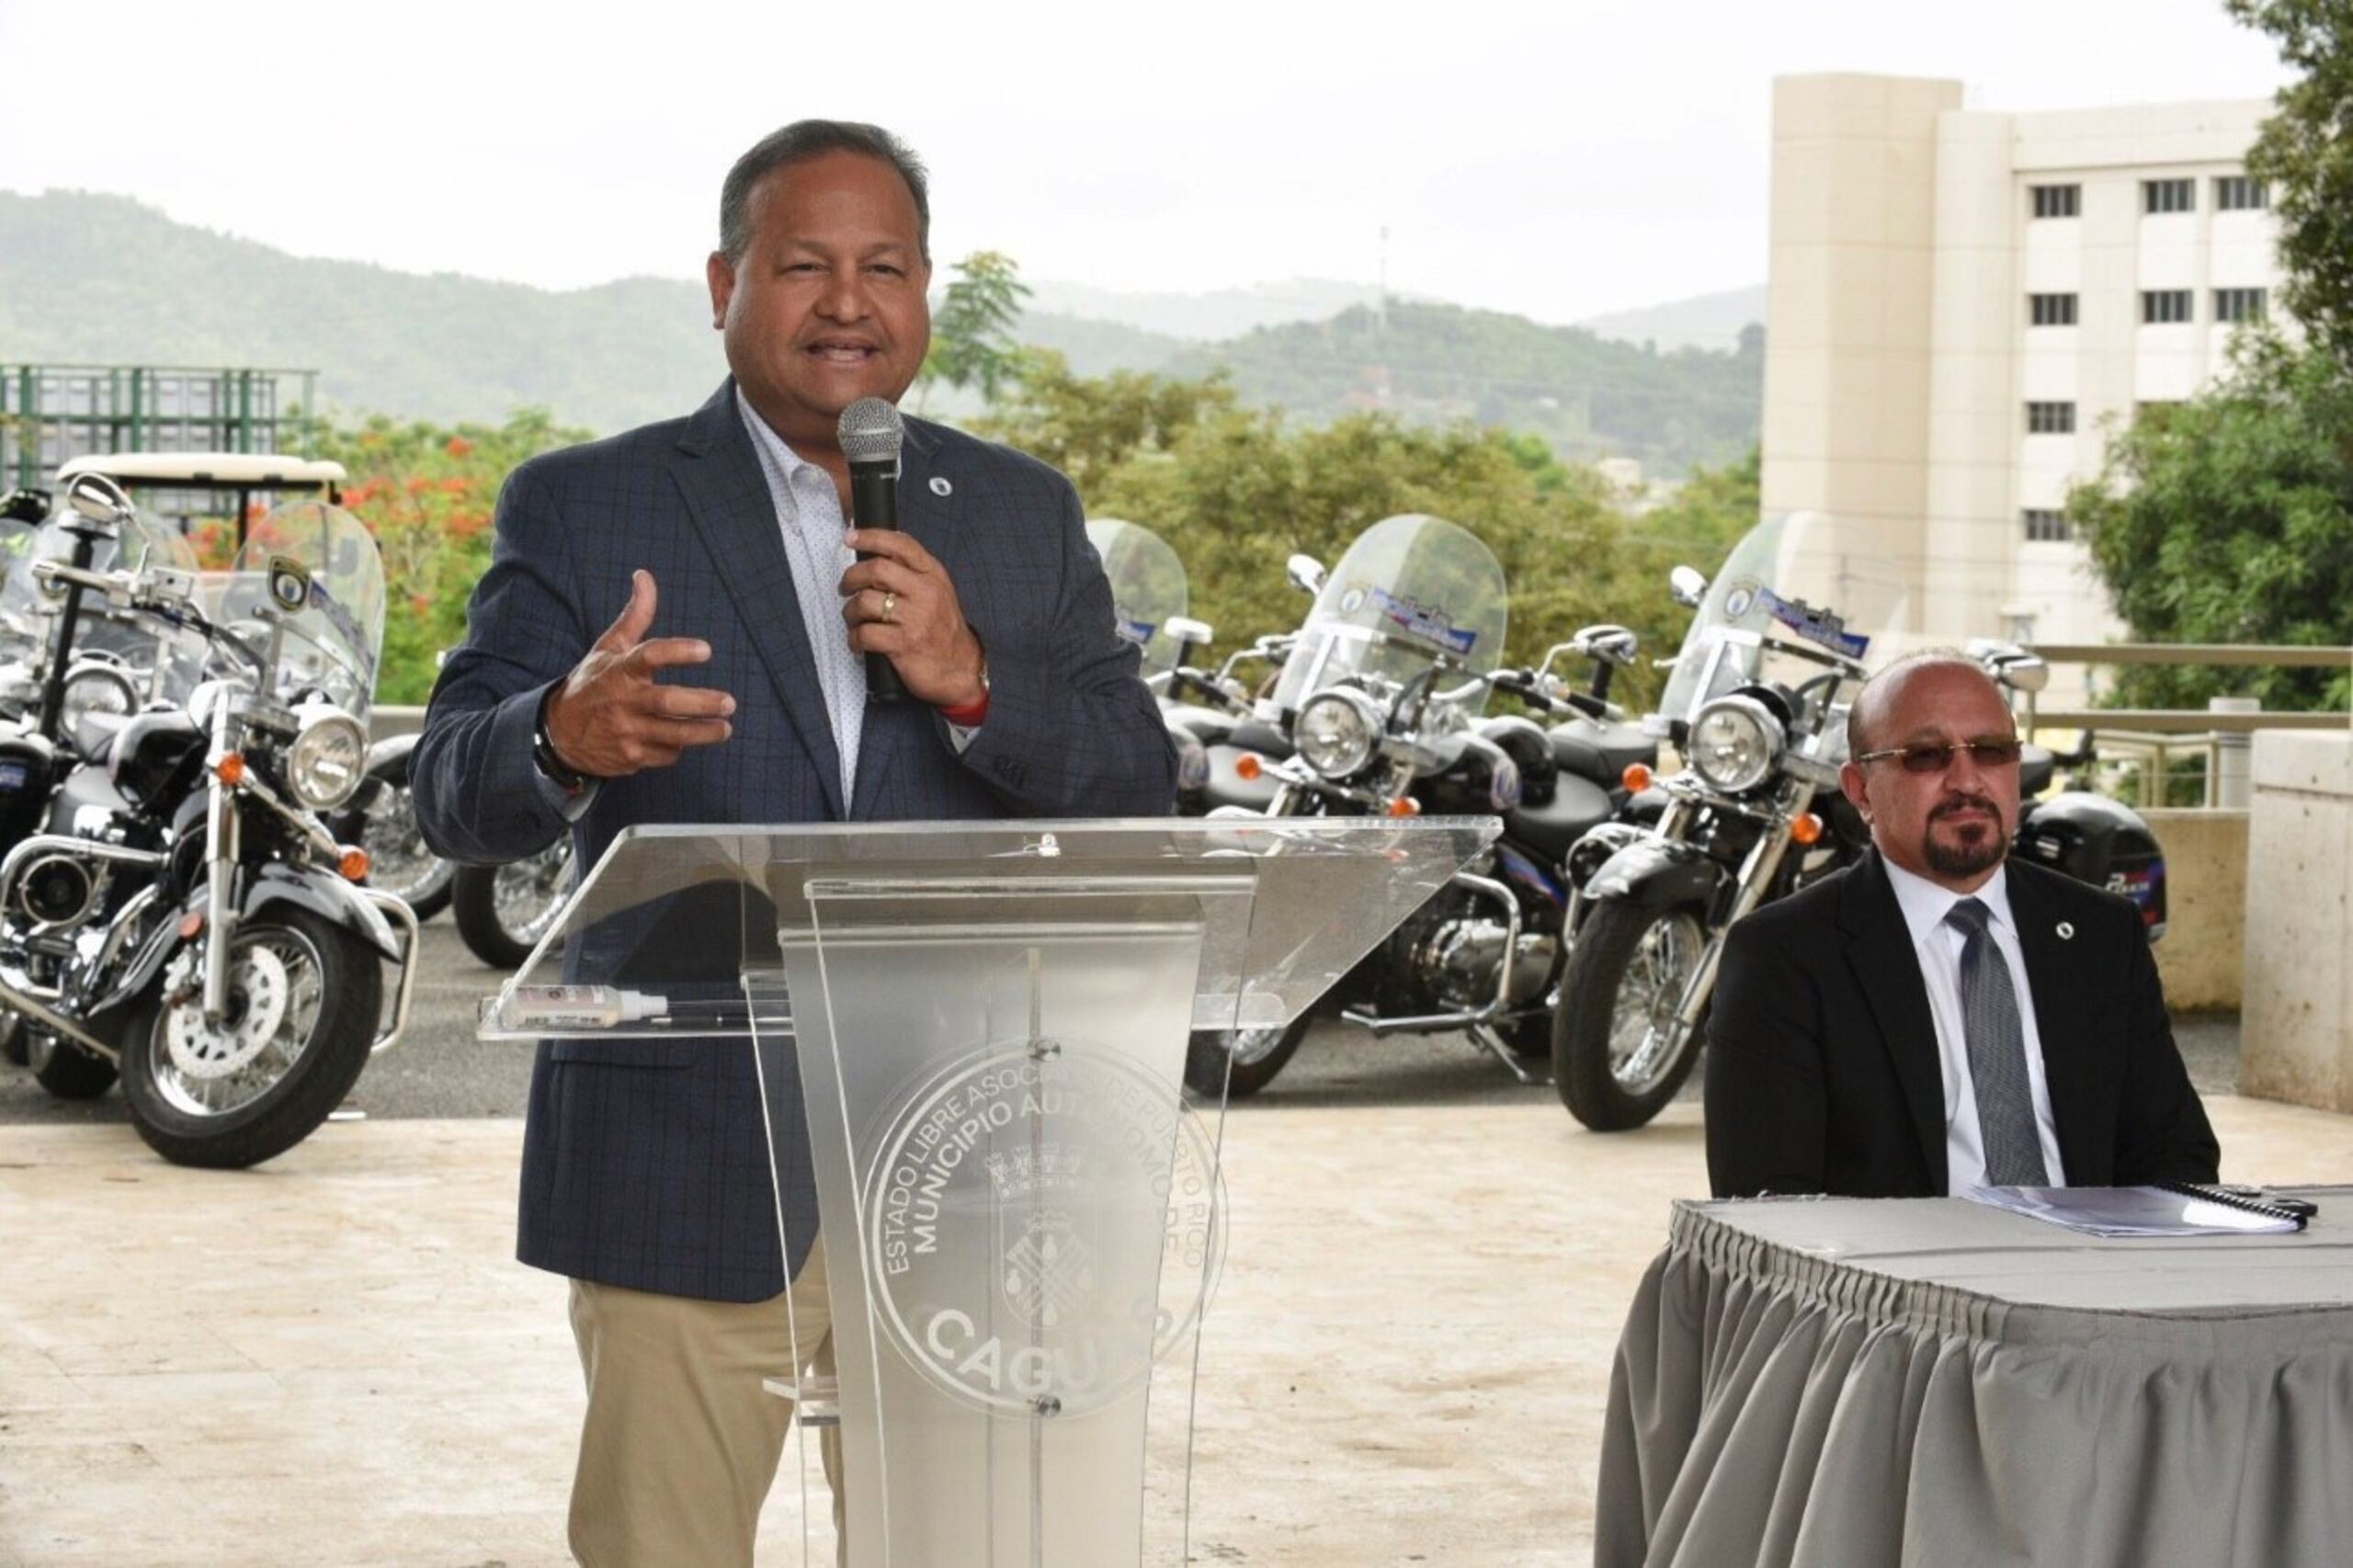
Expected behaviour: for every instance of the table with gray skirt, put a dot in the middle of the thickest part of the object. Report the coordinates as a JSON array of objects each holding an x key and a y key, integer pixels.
[{"x": 1934, "y": 1383}]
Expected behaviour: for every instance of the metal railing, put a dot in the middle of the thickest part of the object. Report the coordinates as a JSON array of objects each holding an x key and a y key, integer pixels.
[{"x": 2143, "y": 749}]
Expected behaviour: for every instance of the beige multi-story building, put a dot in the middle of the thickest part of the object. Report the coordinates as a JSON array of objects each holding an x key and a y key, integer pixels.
[{"x": 1964, "y": 304}]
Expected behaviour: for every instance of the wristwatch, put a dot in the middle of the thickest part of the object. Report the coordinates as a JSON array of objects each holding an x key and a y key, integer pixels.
[{"x": 544, "y": 756}]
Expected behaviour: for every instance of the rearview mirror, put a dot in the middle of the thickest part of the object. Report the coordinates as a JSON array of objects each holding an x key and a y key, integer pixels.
[
  {"x": 1307, "y": 572},
  {"x": 1686, "y": 584},
  {"x": 98, "y": 499},
  {"x": 2028, "y": 672}
]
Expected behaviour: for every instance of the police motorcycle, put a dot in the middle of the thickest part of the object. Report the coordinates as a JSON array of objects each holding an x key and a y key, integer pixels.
[
  {"x": 382, "y": 819},
  {"x": 502, "y": 911},
  {"x": 108, "y": 661},
  {"x": 1757, "y": 705},
  {"x": 172, "y": 907},
  {"x": 1380, "y": 701},
  {"x": 2076, "y": 831},
  {"x": 1149, "y": 600}
]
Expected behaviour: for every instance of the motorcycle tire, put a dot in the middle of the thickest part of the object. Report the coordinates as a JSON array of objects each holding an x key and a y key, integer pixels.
[
  {"x": 490, "y": 931},
  {"x": 403, "y": 864},
  {"x": 67, "y": 1071},
  {"x": 1617, "y": 939},
  {"x": 342, "y": 997},
  {"x": 1214, "y": 1071}
]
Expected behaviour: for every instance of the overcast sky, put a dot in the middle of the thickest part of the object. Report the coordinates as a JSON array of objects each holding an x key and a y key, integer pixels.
[{"x": 1559, "y": 160}]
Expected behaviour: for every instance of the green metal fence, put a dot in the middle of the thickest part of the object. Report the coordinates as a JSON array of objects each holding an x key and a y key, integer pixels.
[{"x": 49, "y": 413}]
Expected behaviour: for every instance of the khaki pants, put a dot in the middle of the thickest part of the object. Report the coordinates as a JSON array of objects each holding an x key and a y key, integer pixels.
[{"x": 681, "y": 1442}]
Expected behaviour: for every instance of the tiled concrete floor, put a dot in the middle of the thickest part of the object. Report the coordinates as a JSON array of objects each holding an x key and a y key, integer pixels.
[{"x": 335, "y": 1360}]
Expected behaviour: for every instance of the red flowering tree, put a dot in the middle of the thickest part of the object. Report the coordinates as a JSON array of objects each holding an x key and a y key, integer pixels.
[{"x": 427, "y": 492}]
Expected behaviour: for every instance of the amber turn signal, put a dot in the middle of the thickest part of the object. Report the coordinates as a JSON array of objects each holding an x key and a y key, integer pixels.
[
  {"x": 1807, "y": 828},
  {"x": 1636, "y": 779},
  {"x": 192, "y": 925},
  {"x": 1405, "y": 806},
  {"x": 1248, "y": 766},
  {"x": 354, "y": 865},
  {"x": 232, "y": 770}
]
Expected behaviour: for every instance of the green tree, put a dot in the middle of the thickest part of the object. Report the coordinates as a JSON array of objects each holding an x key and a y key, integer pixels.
[
  {"x": 2231, "y": 520},
  {"x": 1237, "y": 490},
  {"x": 2306, "y": 151},
  {"x": 971, "y": 335}
]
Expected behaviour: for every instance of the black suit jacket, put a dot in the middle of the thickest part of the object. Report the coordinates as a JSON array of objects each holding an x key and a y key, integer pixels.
[
  {"x": 1823, "y": 1070},
  {"x": 647, "y": 1164}
]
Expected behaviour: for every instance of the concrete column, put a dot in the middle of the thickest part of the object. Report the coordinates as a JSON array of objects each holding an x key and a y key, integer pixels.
[
  {"x": 2297, "y": 1022},
  {"x": 2229, "y": 787}
]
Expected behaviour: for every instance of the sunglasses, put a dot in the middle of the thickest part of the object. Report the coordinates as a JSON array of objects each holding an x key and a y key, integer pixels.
[{"x": 1937, "y": 758}]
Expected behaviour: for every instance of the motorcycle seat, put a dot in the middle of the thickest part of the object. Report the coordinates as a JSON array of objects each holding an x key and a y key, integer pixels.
[
  {"x": 1596, "y": 750},
  {"x": 1577, "y": 805},
  {"x": 2036, "y": 768},
  {"x": 1206, "y": 726}
]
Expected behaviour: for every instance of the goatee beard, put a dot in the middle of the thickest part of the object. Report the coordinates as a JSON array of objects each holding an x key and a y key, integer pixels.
[{"x": 1969, "y": 858}]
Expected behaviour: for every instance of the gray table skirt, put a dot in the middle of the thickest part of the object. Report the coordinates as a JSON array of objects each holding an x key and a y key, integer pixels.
[{"x": 1776, "y": 1407}]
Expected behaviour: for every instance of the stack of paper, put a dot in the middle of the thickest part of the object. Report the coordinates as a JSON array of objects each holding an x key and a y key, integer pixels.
[{"x": 2129, "y": 1211}]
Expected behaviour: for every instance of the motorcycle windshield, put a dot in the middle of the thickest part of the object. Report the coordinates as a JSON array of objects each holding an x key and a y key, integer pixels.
[
  {"x": 1411, "y": 592},
  {"x": 164, "y": 661},
  {"x": 1147, "y": 587},
  {"x": 330, "y": 647},
  {"x": 1792, "y": 582}
]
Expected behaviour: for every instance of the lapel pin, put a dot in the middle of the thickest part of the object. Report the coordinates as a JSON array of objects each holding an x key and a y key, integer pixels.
[
  {"x": 940, "y": 486},
  {"x": 2067, "y": 930}
]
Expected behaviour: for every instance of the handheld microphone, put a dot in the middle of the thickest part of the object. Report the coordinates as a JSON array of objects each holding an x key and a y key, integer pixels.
[{"x": 870, "y": 431}]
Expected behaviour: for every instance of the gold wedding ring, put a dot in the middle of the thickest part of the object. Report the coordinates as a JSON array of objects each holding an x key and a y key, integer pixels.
[{"x": 889, "y": 608}]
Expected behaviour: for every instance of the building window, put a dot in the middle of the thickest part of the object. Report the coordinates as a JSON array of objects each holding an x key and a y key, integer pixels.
[
  {"x": 2049, "y": 419},
  {"x": 2051, "y": 309},
  {"x": 2161, "y": 306},
  {"x": 2239, "y": 193},
  {"x": 2239, "y": 305},
  {"x": 2047, "y": 527},
  {"x": 2057, "y": 200},
  {"x": 2169, "y": 196}
]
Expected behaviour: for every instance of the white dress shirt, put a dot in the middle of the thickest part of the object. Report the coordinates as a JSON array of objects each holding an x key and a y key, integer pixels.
[
  {"x": 809, "y": 516},
  {"x": 1937, "y": 945}
]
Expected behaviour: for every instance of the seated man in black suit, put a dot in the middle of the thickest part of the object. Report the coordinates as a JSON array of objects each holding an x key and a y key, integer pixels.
[{"x": 1937, "y": 1017}]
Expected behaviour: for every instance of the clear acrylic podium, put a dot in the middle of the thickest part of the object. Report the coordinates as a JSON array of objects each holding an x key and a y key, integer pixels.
[{"x": 971, "y": 1041}]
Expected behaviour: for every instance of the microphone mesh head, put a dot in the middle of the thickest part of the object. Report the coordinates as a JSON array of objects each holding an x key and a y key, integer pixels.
[{"x": 871, "y": 430}]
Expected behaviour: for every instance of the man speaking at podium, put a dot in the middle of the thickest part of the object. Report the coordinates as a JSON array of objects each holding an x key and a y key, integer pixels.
[{"x": 677, "y": 627}]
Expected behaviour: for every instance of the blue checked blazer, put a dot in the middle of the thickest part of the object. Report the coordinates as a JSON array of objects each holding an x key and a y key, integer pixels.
[{"x": 647, "y": 1164}]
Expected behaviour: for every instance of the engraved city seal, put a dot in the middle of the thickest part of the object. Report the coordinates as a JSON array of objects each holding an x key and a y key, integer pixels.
[{"x": 1042, "y": 1222}]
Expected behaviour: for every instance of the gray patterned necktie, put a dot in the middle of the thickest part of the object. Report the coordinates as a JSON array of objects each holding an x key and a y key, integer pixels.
[{"x": 1989, "y": 1022}]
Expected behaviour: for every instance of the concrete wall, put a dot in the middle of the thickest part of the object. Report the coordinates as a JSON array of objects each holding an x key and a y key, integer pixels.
[
  {"x": 2199, "y": 959},
  {"x": 2297, "y": 1025}
]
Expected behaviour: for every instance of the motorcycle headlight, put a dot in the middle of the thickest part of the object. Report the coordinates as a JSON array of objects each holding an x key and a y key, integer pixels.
[
  {"x": 1735, "y": 743},
  {"x": 327, "y": 760},
  {"x": 1337, "y": 731},
  {"x": 95, "y": 689}
]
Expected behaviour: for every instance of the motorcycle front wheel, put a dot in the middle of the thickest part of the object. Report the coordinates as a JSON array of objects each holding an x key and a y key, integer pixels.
[
  {"x": 1617, "y": 1055},
  {"x": 1235, "y": 1063},
  {"x": 502, "y": 911},
  {"x": 304, "y": 999}
]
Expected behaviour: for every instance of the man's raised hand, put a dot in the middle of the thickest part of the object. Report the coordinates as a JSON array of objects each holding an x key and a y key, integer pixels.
[{"x": 610, "y": 718}]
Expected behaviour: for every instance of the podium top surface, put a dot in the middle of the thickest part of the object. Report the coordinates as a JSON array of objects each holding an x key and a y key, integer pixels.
[{"x": 658, "y": 938}]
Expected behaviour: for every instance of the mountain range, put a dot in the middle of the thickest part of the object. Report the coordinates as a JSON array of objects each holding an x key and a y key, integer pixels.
[{"x": 90, "y": 279}]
